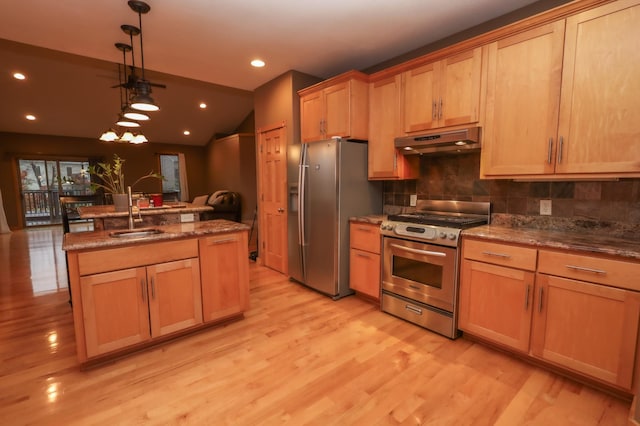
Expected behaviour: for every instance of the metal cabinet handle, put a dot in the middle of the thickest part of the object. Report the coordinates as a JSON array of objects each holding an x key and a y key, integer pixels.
[
  {"x": 226, "y": 240},
  {"x": 549, "y": 150},
  {"x": 416, "y": 251},
  {"x": 413, "y": 309},
  {"x": 366, "y": 256},
  {"x": 583, "y": 269},
  {"x": 491, "y": 253},
  {"x": 143, "y": 290},
  {"x": 560, "y": 144},
  {"x": 364, "y": 229},
  {"x": 526, "y": 298},
  {"x": 440, "y": 110},
  {"x": 153, "y": 287},
  {"x": 540, "y": 300},
  {"x": 434, "y": 110}
]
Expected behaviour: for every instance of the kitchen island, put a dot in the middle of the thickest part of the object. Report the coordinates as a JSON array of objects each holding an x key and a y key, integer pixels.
[
  {"x": 134, "y": 289},
  {"x": 106, "y": 217}
]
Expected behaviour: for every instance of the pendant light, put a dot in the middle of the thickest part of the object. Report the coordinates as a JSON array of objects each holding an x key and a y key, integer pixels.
[
  {"x": 142, "y": 99},
  {"x": 109, "y": 136}
]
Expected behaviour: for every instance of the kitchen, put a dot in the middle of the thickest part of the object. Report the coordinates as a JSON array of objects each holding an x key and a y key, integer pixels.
[{"x": 514, "y": 197}]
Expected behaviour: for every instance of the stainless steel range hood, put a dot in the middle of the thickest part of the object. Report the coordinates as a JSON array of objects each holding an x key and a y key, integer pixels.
[{"x": 451, "y": 142}]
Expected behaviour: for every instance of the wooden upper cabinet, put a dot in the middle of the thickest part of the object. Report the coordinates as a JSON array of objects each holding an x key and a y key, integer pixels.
[
  {"x": 335, "y": 107},
  {"x": 600, "y": 108},
  {"x": 523, "y": 97},
  {"x": 384, "y": 126},
  {"x": 561, "y": 98},
  {"x": 443, "y": 93}
]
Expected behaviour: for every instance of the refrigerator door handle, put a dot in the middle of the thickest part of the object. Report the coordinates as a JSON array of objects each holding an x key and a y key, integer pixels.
[{"x": 302, "y": 174}]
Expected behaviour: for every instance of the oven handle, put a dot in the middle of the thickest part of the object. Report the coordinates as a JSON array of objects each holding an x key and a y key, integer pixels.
[{"x": 417, "y": 251}]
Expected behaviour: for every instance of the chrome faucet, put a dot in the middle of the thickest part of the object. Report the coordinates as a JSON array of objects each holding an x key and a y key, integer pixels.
[
  {"x": 130, "y": 208},
  {"x": 131, "y": 219}
]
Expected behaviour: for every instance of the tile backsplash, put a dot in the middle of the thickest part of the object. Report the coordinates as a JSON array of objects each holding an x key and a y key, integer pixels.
[{"x": 456, "y": 177}]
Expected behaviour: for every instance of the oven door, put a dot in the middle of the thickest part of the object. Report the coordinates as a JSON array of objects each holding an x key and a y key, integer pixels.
[{"x": 420, "y": 271}]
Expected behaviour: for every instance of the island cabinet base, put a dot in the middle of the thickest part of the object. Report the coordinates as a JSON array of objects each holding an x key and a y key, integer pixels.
[{"x": 136, "y": 295}]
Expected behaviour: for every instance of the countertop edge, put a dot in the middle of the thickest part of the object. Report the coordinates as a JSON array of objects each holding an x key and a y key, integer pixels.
[
  {"x": 580, "y": 242},
  {"x": 103, "y": 240}
]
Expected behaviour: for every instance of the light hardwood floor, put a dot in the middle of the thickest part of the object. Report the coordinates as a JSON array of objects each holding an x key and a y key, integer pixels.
[{"x": 297, "y": 358}]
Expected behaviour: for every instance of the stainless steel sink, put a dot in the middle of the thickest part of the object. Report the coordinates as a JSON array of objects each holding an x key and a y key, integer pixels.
[{"x": 135, "y": 233}]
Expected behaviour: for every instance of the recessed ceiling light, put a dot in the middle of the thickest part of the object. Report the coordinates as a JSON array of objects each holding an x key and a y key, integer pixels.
[
  {"x": 19, "y": 76},
  {"x": 203, "y": 105},
  {"x": 258, "y": 63},
  {"x": 186, "y": 133},
  {"x": 30, "y": 117}
]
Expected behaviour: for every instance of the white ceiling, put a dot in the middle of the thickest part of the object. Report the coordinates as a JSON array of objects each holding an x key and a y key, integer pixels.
[{"x": 197, "y": 46}]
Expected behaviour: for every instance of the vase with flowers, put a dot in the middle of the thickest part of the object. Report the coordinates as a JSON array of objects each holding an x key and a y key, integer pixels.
[{"x": 112, "y": 180}]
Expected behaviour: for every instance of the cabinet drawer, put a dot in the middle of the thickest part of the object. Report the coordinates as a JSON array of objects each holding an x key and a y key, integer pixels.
[
  {"x": 594, "y": 269},
  {"x": 364, "y": 236},
  {"x": 92, "y": 262},
  {"x": 500, "y": 254}
]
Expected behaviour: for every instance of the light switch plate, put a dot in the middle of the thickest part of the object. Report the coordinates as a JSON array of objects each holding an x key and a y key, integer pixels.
[
  {"x": 413, "y": 200},
  {"x": 545, "y": 207}
]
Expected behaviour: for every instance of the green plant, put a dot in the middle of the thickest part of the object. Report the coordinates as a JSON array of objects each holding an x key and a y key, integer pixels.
[{"x": 112, "y": 176}]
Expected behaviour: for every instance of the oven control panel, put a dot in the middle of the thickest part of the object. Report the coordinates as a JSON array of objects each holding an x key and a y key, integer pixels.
[{"x": 437, "y": 234}]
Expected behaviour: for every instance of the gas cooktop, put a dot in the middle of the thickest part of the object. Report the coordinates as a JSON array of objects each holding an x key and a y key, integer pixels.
[{"x": 441, "y": 219}]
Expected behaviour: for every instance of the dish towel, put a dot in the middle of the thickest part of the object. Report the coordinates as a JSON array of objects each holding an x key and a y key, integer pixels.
[{"x": 4, "y": 226}]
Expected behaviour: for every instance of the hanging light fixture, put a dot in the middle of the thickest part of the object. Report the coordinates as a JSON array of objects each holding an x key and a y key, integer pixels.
[
  {"x": 142, "y": 99},
  {"x": 139, "y": 138},
  {"x": 127, "y": 136},
  {"x": 109, "y": 136},
  {"x": 135, "y": 92}
]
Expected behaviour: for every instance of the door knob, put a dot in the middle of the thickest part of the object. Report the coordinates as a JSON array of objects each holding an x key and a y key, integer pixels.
[{"x": 280, "y": 210}]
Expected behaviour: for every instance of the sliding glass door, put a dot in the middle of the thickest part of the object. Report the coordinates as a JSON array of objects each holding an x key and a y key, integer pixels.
[{"x": 43, "y": 181}]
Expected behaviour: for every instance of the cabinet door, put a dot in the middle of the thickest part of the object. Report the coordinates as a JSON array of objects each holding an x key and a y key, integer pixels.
[
  {"x": 523, "y": 97},
  {"x": 115, "y": 310},
  {"x": 459, "y": 86},
  {"x": 384, "y": 125},
  {"x": 420, "y": 99},
  {"x": 365, "y": 236},
  {"x": 495, "y": 303},
  {"x": 311, "y": 116},
  {"x": 175, "y": 301},
  {"x": 364, "y": 272},
  {"x": 337, "y": 114},
  {"x": 589, "y": 328},
  {"x": 600, "y": 109},
  {"x": 224, "y": 270}
]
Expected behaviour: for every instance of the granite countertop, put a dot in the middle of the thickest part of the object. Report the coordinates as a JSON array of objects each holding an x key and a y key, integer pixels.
[
  {"x": 375, "y": 219},
  {"x": 104, "y": 211},
  {"x": 103, "y": 239},
  {"x": 555, "y": 239}
]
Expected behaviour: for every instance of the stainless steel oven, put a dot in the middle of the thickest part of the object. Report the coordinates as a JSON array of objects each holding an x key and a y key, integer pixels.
[{"x": 420, "y": 261}]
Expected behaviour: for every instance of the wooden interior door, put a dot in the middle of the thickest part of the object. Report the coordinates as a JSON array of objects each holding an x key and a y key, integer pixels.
[{"x": 273, "y": 198}]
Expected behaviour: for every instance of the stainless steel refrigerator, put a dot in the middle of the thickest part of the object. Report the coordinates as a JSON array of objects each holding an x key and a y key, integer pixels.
[{"x": 327, "y": 185}]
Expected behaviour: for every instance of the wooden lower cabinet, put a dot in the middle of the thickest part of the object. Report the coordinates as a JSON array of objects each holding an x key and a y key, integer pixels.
[
  {"x": 589, "y": 328},
  {"x": 364, "y": 259},
  {"x": 584, "y": 327},
  {"x": 116, "y": 310},
  {"x": 122, "y": 308},
  {"x": 225, "y": 275},
  {"x": 495, "y": 303}
]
